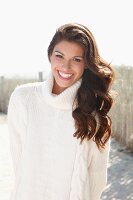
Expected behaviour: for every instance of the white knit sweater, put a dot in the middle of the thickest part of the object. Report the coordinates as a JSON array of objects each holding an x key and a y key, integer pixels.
[{"x": 49, "y": 163}]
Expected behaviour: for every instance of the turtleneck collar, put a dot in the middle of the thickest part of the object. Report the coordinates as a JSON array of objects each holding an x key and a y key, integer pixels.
[{"x": 65, "y": 99}]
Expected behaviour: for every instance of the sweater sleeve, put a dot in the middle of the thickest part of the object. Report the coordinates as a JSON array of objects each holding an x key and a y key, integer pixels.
[
  {"x": 98, "y": 171},
  {"x": 16, "y": 119}
]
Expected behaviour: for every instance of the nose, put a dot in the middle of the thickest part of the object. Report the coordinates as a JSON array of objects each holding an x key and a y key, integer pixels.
[{"x": 66, "y": 64}]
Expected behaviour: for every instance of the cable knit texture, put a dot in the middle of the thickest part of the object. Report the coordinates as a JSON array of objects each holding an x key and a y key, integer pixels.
[{"x": 49, "y": 163}]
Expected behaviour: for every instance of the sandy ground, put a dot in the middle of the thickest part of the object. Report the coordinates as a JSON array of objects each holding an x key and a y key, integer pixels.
[{"x": 120, "y": 169}]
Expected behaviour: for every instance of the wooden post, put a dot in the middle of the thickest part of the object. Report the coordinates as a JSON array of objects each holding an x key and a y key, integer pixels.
[
  {"x": 40, "y": 75},
  {"x": 1, "y": 93}
]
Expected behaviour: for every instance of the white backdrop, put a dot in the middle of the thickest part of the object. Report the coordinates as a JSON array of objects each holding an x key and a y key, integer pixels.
[{"x": 26, "y": 28}]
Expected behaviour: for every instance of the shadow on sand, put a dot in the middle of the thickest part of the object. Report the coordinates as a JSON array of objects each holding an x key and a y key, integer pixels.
[{"x": 120, "y": 173}]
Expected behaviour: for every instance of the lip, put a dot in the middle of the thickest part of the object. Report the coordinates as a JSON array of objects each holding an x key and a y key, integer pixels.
[{"x": 65, "y": 79}]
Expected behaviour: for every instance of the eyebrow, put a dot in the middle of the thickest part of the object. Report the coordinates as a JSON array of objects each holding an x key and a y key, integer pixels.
[
  {"x": 59, "y": 52},
  {"x": 63, "y": 54}
]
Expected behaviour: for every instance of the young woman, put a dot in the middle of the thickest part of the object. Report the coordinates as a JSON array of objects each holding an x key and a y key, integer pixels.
[{"x": 60, "y": 129}]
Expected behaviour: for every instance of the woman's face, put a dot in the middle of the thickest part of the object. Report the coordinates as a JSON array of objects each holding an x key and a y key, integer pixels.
[{"x": 67, "y": 64}]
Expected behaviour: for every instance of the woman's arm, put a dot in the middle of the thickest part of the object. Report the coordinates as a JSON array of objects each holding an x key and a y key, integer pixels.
[
  {"x": 16, "y": 118},
  {"x": 98, "y": 171}
]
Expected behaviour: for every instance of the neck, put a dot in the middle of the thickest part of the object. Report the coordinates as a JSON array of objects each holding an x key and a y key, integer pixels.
[
  {"x": 56, "y": 89},
  {"x": 64, "y": 98}
]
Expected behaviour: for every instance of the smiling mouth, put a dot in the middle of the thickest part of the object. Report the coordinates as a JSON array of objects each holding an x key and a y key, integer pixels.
[{"x": 64, "y": 75}]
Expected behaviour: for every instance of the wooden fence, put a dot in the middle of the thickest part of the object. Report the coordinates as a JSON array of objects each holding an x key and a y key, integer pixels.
[
  {"x": 122, "y": 111},
  {"x": 7, "y": 85}
]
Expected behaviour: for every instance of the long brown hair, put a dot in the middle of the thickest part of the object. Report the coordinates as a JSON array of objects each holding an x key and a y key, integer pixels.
[{"x": 94, "y": 99}]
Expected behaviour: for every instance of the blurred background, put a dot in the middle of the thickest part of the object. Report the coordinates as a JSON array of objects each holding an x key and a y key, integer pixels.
[{"x": 26, "y": 29}]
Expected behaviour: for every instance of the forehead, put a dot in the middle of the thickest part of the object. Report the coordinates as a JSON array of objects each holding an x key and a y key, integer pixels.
[{"x": 69, "y": 47}]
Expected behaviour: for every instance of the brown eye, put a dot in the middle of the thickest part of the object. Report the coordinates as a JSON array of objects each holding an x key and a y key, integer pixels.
[
  {"x": 77, "y": 59},
  {"x": 59, "y": 56}
]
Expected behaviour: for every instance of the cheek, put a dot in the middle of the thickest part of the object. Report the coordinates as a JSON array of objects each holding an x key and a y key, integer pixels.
[
  {"x": 80, "y": 70},
  {"x": 55, "y": 63}
]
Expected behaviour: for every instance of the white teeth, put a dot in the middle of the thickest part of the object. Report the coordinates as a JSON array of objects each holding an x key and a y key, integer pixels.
[{"x": 65, "y": 75}]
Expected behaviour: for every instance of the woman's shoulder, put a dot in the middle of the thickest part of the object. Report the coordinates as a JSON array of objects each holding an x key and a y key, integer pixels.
[
  {"x": 26, "y": 90},
  {"x": 27, "y": 87}
]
